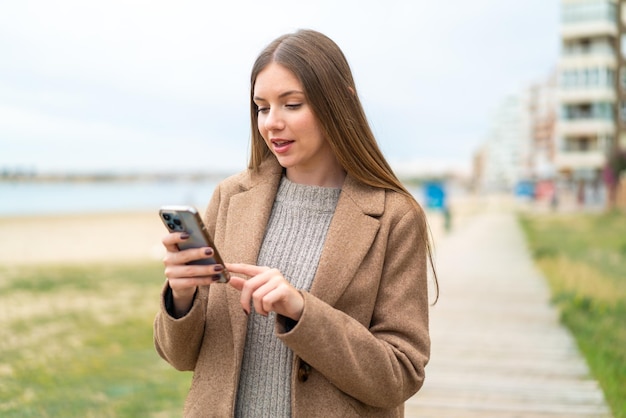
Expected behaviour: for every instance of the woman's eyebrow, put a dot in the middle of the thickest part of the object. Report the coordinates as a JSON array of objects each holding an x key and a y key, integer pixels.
[{"x": 280, "y": 96}]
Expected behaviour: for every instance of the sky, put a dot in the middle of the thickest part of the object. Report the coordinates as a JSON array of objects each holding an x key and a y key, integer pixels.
[{"x": 144, "y": 86}]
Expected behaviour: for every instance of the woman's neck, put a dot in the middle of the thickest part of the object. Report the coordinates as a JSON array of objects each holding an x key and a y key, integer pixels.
[{"x": 330, "y": 177}]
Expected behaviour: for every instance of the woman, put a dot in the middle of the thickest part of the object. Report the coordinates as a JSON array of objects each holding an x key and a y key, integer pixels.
[{"x": 327, "y": 310}]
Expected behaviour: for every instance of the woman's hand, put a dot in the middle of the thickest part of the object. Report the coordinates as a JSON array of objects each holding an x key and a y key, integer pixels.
[
  {"x": 184, "y": 279},
  {"x": 268, "y": 289}
]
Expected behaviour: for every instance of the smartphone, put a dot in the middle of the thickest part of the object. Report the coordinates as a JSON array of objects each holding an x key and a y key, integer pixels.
[{"x": 187, "y": 219}]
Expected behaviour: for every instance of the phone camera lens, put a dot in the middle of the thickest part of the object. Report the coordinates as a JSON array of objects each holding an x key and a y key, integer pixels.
[
  {"x": 177, "y": 222},
  {"x": 166, "y": 216},
  {"x": 171, "y": 226}
]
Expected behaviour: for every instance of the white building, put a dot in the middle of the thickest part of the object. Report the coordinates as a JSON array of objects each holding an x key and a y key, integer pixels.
[
  {"x": 587, "y": 74},
  {"x": 505, "y": 155}
]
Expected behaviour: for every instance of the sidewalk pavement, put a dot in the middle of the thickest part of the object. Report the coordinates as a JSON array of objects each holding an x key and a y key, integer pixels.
[{"x": 498, "y": 349}]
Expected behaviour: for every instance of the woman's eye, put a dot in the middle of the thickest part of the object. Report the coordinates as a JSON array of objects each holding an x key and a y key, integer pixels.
[
  {"x": 260, "y": 109},
  {"x": 293, "y": 106}
]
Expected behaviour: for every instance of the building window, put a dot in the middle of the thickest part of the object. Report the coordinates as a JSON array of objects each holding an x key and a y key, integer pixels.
[
  {"x": 622, "y": 112},
  {"x": 589, "y": 46},
  {"x": 584, "y": 144},
  {"x": 596, "y": 77},
  {"x": 597, "y": 111},
  {"x": 593, "y": 77},
  {"x": 589, "y": 11},
  {"x": 579, "y": 144}
]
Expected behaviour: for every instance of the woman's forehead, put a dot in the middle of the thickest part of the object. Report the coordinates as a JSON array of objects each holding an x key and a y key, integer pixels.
[{"x": 276, "y": 79}]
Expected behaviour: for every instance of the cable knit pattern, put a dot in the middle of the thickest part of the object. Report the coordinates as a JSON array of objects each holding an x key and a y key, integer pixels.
[{"x": 293, "y": 243}]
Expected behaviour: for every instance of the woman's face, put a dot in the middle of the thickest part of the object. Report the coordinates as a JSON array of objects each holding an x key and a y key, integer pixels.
[{"x": 289, "y": 126}]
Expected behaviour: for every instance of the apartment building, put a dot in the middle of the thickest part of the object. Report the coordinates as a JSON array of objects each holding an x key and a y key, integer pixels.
[
  {"x": 504, "y": 156},
  {"x": 588, "y": 76}
]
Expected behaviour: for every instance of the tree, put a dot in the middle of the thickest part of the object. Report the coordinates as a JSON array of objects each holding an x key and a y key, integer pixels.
[{"x": 615, "y": 166}]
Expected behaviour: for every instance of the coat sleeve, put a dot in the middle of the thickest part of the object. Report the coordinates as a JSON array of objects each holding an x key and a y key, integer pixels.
[
  {"x": 178, "y": 341},
  {"x": 381, "y": 363}
]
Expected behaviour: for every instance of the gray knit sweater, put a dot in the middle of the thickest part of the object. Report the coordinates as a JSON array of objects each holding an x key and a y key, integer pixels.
[{"x": 293, "y": 243}]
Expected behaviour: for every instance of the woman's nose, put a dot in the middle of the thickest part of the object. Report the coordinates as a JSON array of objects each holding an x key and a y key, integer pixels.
[{"x": 274, "y": 121}]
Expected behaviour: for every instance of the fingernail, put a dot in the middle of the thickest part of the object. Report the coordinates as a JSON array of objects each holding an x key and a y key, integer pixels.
[
  {"x": 184, "y": 235},
  {"x": 208, "y": 251},
  {"x": 218, "y": 267},
  {"x": 216, "y": 277}
]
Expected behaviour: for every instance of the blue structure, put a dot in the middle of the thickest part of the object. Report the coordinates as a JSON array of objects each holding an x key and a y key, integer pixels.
[
  {"x": 435, "y": 195},
  {"x": 525, "y": 188}
]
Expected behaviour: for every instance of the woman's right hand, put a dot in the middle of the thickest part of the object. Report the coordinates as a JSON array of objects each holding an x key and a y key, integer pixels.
[{"x": 183, "y": 278}]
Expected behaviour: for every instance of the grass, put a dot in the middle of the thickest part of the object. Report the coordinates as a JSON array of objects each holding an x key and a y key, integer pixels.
[
  {"x": 583, "y": 257},
  {"x": 76, "y": 341}
]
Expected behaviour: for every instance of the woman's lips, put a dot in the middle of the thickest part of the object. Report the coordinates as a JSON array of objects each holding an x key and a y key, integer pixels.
[{"x": 281, "y": 145}]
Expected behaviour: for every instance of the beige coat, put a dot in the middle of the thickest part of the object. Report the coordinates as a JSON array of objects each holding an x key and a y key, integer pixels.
[{"x": 362, "y": 342}]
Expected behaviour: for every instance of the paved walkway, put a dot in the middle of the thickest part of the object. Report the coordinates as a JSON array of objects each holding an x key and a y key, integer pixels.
[{"x": 498, "y": 349}]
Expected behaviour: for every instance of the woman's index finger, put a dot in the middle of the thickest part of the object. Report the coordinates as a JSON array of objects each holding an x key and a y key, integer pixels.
[
  {"x": 246, "y": 269},
  {"x": 237, "y": 282}
]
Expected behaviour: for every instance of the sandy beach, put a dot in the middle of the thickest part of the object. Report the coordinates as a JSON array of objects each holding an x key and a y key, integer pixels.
[{"x": 81, "y": 238}]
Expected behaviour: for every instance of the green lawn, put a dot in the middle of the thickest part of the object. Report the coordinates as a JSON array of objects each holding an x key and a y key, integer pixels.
[
  {"x": 77, "y": 342},
  {"x": 583, "y": 257}
]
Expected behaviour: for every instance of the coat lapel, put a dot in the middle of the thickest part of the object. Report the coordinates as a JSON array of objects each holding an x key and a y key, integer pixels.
[
  {"x": 249, "y": 211},
  {"x": 350, "y": 236}
]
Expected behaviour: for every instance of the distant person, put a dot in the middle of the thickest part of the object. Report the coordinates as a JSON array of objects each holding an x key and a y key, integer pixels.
[
  {"x": 327, "y": 312},
  {"x": 554, "y": 197},
  {"x": 580, "y": 194}
]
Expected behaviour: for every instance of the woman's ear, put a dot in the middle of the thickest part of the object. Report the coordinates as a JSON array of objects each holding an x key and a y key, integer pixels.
[{"x": 351, "y": 90}]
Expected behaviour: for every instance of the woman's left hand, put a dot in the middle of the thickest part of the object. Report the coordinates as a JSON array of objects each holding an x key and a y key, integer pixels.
[{"x": 268, "y": 289}]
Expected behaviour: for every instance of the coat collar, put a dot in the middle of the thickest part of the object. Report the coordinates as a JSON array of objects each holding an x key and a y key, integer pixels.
[{"x": 371, "y": 200}]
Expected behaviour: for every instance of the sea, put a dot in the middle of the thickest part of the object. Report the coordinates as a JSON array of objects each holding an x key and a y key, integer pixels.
[{"x": 71, "y": 197}]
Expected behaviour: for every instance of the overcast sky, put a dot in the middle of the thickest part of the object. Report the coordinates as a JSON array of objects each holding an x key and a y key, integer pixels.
[{"x": 131, "y": 85}]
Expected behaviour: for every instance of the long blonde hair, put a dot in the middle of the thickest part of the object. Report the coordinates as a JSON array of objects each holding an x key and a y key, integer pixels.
[{"x": 321, "y": 67}]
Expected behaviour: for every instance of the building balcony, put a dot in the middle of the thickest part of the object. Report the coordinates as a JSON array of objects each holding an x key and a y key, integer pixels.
[
  {"x": 585, "y": 127},
  {"x": 582, "y": 61},
  {"x": 574, "y": 30},
  {"x": 579, "y": 160},
  {"x": 586, "y": 95}
]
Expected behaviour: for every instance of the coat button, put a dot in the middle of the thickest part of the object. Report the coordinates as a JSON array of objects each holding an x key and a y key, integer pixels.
[{"x": 303, "y": 371}]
